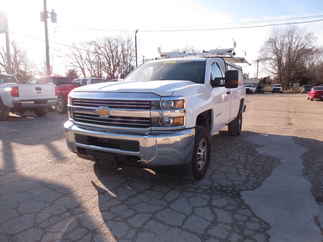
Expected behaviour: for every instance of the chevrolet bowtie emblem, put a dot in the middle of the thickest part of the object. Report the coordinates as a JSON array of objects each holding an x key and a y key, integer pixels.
[{"x": 103, "y": 112}]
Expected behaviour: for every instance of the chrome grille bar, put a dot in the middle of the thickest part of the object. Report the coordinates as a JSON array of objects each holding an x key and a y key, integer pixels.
[
  {"x": 120, "y": 104},
  {"x": 135, "y": 122}
]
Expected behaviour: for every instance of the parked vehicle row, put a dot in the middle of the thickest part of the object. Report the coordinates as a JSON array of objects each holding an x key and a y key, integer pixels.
[
  {"x": 252, "y": 88},
  {"x": 276, "y": 88}
]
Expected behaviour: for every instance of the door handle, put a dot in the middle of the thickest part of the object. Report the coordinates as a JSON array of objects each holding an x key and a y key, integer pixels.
[{"x": 228, "y": 92}]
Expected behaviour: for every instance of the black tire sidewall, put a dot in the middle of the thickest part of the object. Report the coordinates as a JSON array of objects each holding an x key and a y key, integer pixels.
[
  {"x": 200, "y": 132},
  {"x": 61, "y": 105}
]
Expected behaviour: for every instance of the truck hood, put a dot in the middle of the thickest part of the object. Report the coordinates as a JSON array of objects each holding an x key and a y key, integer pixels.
[{"x": 161, "y": 88}]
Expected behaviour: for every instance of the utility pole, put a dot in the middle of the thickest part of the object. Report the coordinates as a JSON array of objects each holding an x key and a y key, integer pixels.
[
  {"x": 136, "y": 47},
  {"x": 5, "y": 29},
  {"x": 257, "y": 68},
  {"x": 8, "y": 52},
  {"x": 45, "y": 16}
]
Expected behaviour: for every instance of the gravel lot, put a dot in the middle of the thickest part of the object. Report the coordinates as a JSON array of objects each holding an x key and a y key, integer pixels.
[{"x": 265, "y": 185}]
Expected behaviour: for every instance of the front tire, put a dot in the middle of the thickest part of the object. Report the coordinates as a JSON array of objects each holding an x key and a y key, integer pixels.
[
  {"x": 201, "y": 154},
  {"x": 235, "y": 126},
  {"x": 61, "y": 105}
]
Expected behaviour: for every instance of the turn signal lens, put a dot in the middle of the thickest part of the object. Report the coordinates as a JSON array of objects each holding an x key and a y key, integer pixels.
[
  {"x": 179, "y": 103},
  {"x": 168, "y": 121},
  {"x": 178, "y": 121}
]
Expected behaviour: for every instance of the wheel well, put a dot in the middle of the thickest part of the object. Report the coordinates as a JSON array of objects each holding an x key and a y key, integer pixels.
[{"x": 205, "y": 119}]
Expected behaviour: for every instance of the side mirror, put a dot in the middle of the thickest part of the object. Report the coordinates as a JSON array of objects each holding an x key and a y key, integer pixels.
[
  {"x": 217, "y": 82},
  {"x": 231, "y": 79}
]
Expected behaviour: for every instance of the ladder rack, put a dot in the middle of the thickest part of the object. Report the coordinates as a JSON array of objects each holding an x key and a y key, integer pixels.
[{"x": 227, "y": 54}]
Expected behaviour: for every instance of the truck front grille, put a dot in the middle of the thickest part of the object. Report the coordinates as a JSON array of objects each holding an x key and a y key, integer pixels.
[
  {"x": 133, "y": 122},
  {"x": 121, "y": 104}
]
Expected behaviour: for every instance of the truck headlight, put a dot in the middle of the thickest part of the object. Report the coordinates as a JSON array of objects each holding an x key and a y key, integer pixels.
[
  {"x": 172, "y": 104},
  {"x": 168, "y": 104}
]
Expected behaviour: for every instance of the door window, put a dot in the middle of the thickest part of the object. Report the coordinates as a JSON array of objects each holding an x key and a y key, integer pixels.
[
  {"x": 216, "y": 74},
  {"x": 216, "y": 71}
]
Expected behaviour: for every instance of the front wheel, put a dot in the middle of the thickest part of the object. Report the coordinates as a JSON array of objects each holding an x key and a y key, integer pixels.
[
  {"x": 201, "y": 154},
  {"x": 235, "y": 126},
  {"x": 61, "y": 105}
]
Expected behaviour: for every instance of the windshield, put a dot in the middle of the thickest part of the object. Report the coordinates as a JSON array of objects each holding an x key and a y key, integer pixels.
[
  {"x": 250, "y": 85},
  {"x": 170, "y": 70},
  {"x": 276, "y": 85}
]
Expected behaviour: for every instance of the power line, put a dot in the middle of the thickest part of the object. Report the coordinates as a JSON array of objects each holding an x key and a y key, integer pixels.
[
  {"x": 207, "y": 29},
  {"x": 232, "y": 27},
  {"x": 264, "y": 23}
]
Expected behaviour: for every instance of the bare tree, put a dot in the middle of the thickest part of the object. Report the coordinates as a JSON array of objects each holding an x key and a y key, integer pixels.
[
  {"x": 109, "y": 58},
  {"x": 290, "y": 52},
  {"x": 77, "y": 59},
  {"x": 20, "y": 65},
  {"x": 72, "y": 74}
]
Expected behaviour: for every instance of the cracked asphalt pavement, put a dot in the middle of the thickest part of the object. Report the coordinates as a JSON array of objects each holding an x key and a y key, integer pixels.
[{"x": 265, "y": 185}]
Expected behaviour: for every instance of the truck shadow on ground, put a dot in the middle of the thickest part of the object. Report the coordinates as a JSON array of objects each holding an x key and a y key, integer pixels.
[
  {"x": 33, "y": 209},
  {"x": 31, "y": 131},
  {"x": 141, "y": 205}
]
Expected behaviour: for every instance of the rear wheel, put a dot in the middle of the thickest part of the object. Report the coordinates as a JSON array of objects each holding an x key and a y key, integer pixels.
[
  {"x": 41, "y": 112},
  {"x": 4, "y": 112},
  {"x": 235, "y": 126},
  {"x": 61, "y": 105},
  {"x": 201, "y": 154}
]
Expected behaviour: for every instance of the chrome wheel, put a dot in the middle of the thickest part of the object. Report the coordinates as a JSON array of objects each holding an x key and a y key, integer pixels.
[{"x": 201, "y": 154}]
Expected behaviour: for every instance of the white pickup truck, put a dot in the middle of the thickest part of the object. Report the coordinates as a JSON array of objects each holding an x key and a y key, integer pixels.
[
  {"x": 18, "y": 98},
  {"x": 162, "y": 114}
]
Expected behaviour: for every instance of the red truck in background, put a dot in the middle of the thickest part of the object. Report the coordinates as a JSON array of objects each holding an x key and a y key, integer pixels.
[
  {"x": 62, "y": 92},
  {"x": 63, "y": 86}
]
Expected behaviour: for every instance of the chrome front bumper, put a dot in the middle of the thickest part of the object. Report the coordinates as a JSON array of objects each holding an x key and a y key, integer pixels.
[{"x": 173, "y": 148}]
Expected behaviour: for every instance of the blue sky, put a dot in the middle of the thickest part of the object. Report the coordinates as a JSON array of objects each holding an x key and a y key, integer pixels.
[{"x": 244, "y": 9}]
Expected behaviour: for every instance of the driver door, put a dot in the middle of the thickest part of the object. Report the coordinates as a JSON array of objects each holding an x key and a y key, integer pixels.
[{"x": 220, "y": 98}]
